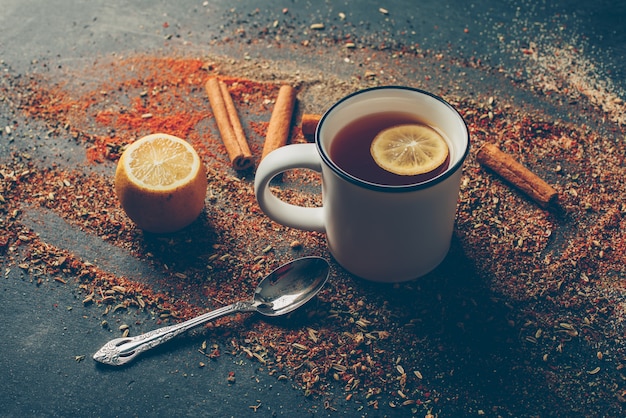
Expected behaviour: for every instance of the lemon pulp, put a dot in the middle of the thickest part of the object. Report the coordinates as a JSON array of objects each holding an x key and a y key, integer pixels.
[
  {"x": 409, "y": 150},
  {"x": 162, "y": 162}
]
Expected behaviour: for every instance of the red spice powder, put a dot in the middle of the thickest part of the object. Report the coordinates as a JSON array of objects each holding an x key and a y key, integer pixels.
[{"x": 151, "y": 95}]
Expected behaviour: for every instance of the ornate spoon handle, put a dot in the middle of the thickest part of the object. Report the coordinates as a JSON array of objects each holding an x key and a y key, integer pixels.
[{"x": 122, "y": 350}]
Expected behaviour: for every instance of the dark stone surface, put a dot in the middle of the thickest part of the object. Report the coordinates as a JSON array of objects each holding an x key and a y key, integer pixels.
[{"x": 48, "y": 335}]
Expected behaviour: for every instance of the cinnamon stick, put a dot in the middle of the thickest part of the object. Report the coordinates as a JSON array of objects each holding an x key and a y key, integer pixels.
[
  {"x": 518, "y": 175},
  {"x": 309, "y": 123},
  {"x": 229, "y": 124},
  {"x": 280, "y": 121}
]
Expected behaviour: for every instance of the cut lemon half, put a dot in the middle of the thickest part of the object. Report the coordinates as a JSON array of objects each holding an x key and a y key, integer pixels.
[
  {"x": 409, "y": 150},
  {"x": 161, "y": 183}
]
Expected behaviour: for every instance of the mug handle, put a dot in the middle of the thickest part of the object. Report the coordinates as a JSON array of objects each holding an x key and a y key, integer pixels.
[{"x": 278, "y": 161}]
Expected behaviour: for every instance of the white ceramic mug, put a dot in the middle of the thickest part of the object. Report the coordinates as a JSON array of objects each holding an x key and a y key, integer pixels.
[{"x": 377, "y": 232}]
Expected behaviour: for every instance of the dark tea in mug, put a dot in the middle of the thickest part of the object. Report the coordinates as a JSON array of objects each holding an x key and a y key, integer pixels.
[{"x": 350, "y": 149}]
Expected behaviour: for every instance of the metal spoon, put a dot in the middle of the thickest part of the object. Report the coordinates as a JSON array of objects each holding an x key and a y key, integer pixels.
[{"x": 283, "y": 290}]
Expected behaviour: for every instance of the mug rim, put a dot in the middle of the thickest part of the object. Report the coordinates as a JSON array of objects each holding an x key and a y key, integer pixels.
[{"x": 386, "y": 187}]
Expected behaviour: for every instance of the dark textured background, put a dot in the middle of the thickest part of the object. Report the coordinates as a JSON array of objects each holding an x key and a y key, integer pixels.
[{"x": 43, "y": 330}]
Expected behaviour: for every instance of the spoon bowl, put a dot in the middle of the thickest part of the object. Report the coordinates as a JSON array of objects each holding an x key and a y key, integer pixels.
[
  {"x": 290, "y": 286},
  {"x": 280, "y": 292}
]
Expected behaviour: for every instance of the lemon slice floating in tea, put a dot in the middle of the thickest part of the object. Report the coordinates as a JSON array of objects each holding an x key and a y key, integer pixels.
[
  {"x": 409, "y": 150},
  {"x": 161, "y": 183}
]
